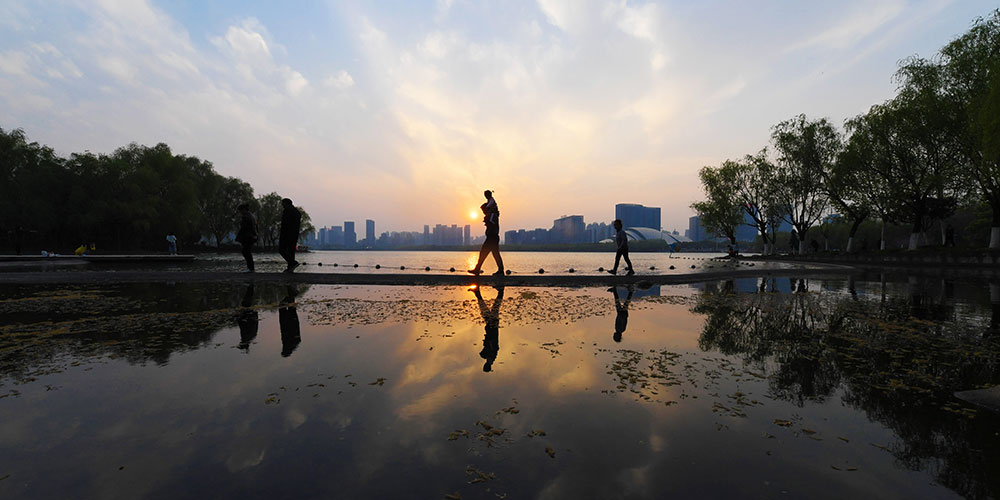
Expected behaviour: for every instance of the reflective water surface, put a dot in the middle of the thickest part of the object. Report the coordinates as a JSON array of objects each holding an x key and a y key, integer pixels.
[{"x": 753, "y": 388}]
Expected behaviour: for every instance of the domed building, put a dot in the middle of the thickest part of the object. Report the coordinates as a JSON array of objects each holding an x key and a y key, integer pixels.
[{"x": 650, "y": 234}]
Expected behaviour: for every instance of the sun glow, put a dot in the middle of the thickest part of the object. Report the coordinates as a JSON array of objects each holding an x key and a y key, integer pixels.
[{"x": 473, "y": 215}]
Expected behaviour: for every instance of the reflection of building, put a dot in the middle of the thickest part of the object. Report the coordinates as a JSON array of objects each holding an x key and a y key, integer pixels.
[
  {"x": 568, "y": 229},
  {"x": 635, "y": 215},
  {"x": 370, "y": 233}
]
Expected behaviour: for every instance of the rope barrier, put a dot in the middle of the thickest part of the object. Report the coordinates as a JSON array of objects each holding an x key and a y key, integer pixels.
[{"x": 571, "y": 270}]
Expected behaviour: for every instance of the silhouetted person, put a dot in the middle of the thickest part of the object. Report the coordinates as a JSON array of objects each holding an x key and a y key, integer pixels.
[
  {"x": 491, "y": 316},
  {"x": 621, "y": 240},
  {"x": 171, "y": 243},
  {"x": 248, "y": 234},
  {"x": 491, "y": 217},
  {"x": 291, "y": 222},
  {"x": 288, "y": 322},
  {"x": 621, "y": 312},
  {"x": 247, "y": 320}
]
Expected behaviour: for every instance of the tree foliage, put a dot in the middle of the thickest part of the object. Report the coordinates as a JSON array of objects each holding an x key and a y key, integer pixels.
[
  {"x": 127, "y": 200},
  {"x": 720, "y": 213}
]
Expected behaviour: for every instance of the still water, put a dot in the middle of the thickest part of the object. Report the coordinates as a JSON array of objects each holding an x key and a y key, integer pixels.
[{"x": 752, "y": 388}]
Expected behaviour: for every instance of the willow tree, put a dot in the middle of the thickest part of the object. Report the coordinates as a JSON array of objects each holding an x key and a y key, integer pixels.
[
  {"x": 755, "y": 194},
  {"x": 970, "y": 65},
  {"x": 806, "y": 150},
  {"x": 720, "y": 212}
]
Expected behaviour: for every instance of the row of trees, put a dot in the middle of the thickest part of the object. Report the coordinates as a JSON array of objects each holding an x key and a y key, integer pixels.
[
  {"x": 127, "y": 200},
  {"x": 912, "y": 160}
]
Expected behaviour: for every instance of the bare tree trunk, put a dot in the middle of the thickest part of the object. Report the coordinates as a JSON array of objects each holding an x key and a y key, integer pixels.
[{"x": 882, "y": 240}]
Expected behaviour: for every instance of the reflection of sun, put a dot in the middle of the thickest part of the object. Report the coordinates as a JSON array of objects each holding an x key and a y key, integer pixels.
[{"x": 472, "y": 214}]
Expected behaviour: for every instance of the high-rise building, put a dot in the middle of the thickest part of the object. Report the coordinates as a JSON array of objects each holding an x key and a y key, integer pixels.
[
  {"x": 427, "y": 235},
  {"x": 467, "y": 240},
  {"x": 696, "y": 232},
  {"x": 335, "y": 236},
  {"x": 568, "y": 229},
  {"x": 635, "y": 215},
  {"x": 322, "y": 236},
  {"x": 350, "y": 237},
  {"x": 370, "y": 233}
]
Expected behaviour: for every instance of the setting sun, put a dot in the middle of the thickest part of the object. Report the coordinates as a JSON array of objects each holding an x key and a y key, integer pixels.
[{"x": 472, "y": 214}]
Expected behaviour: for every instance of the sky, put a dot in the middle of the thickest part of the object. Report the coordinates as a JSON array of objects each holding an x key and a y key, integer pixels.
[{"x": 405, "y": 111}]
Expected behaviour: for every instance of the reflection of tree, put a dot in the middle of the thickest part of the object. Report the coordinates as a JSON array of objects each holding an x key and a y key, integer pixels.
[
  {"x": 770, "y": 331},
  {"x": 898, "y": 360},
  {"x": 155, "y": 322}
]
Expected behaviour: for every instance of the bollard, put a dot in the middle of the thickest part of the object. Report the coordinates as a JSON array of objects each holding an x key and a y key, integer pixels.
[
  {"x": 378, "y": 266},
  {"x": 572, "y": 270},
  {"x": 428, "y": 268},
  {"x": 671, "y": 267},
  {"x": 652, "y": 268},
  {"x": 541, "y": 271},
  {"x": 334, "y": 264},
  {"x": 508, "y": 272},
  {"x": 600, "y": 269},
  {"x": 402, "y": 268},
  {"x": 451, "y": 269},
  {"x": 355, "y": 265},
  {"x": 320, "y": 264}
]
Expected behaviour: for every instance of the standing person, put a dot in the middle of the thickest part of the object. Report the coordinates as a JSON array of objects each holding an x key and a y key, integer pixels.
[
  {"x": 491, "y": 217},
  {"x": 171, "y": 243},
  {"x": 247, "y": 235},
  {"x": 621, "y": 239},
  {"x": 291, "y": 222}
]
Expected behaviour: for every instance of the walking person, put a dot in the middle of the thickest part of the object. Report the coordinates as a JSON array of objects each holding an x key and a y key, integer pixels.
[
  {"x": 291, "y": 222},
  {"x": 491, "y": 217},
  {"x": 621, "y": 239},
  {"x": 171, "y": 243},
  {"x": 248, "y": 234}
]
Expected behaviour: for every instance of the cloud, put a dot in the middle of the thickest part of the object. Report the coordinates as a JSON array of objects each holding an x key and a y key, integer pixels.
[
  {"x": 340, "y": 81},
  {"x": 845, "y": 33}
]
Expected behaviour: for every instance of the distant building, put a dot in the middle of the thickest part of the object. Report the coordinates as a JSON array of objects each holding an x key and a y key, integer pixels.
[
  {"x": 369, "y": 232},
  {"x": 427, "y": 235},
  {"x": 568, "y": 229},
  {"x": 599, "y": 231},
  {"x": 696, "y": 232},
  {"x": 350, "y": 237},
  {"x": 635, "y": 215},
  {"x": 335, "y": 236},
  {"x": 467, "y": 240}
]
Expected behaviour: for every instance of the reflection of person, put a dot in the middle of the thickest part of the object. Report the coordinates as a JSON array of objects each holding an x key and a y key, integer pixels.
[
  {"x": 621, "y": 312},
  {"x": 247, "y": 235},
  {"x": 288, "y": 322},
  {"x": 171, "y": 243},
  {"x": 491, "y": 341},
  {"x": 491, "y": 217},
  {"x": 621, "y": 240},
  {"x": 291, "y": 221},
  {"x": 247, "y": 320}
]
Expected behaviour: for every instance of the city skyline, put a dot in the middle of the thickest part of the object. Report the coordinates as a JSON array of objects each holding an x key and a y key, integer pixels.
[{"x": 559, "y": 107}]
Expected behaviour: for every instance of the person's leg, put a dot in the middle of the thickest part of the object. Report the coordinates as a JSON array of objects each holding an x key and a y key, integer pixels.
[
  {"x": 286, "y": 254},
  {"x": 248, "y": 255},
  {"x": 618, "y": 258},
  {"x": 483, "y": 252},
  {"x": 496, "y": 256},
  {"x": 627, "y": 260}
]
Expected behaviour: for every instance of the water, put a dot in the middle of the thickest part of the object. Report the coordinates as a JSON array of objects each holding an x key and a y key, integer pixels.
[
  {"x": 751, "y": 388},
  {"x": 402, "y": 262}
]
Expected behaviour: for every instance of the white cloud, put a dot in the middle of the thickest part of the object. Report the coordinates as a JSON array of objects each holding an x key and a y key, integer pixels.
[
  {"x": 845, "y": 33},
  {"x": 340, "y": 81}
]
